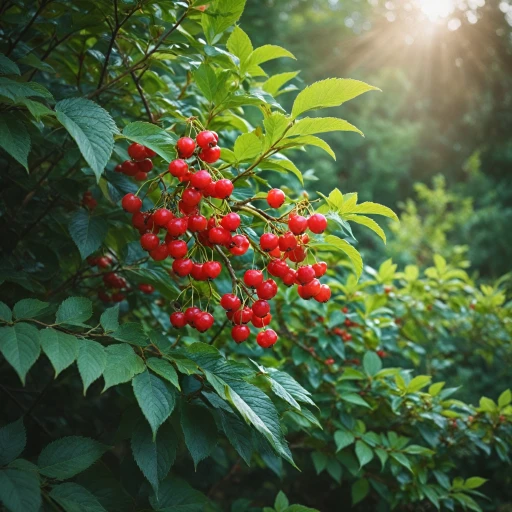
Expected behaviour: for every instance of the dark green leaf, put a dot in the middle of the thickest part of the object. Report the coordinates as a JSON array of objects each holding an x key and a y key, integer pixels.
[
  {"x": 12, "y": 441},
  {"x": 87, "y": 232},
  {"x": 14, "y": 138},
  {"x": 75, "y": 498},
  {"x": 121, "y": 366},
  {"x": 61, "y": 348},
  {"x": 29, "y": 308},
  {"x": 199, "y": 430},
  {"x": 19, "y": 490},
  {"x": 91, "y": 361}
]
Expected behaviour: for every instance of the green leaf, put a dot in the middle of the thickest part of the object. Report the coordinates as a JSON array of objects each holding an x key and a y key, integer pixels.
[
  {"x": 354, "y": 398},
  {"x": 505, "y": 398},
  {"x": 436, "y": 388},
  {"x": 20, "y": 346},
  {"x": 13, "y": 90},
  {"x": 239, "y": 44},
  {"x": 133, "y": 333},
  {"x": 29, "y": 308},
  {"x": 368, "y": 222},
  {"x": 219, "y": 16},
  {"x": 238, "y": 434},
  {"x": 282, "y": 165},
  {"x": 314, "y": 125},
  {"x": 372, "y": 363},
  {"x": 364, "y": 453},
  {"x": 291, "y": 386},
  {"x": 176, "y": 495},
  {"x": 275, "y": 82},
  {"x": 69, "y": 456},
  {"x": 360, "y": 490},
  {"x": 109, "y": 319},
  {"x": 14, "y": 138},
  {"x": 415, "y": 449},
  {"x": 334, "y": 469},
  {"x": 7, "y": 66},
  {"x": 275, "y": 125},
  {"x": 5, "y": 312},
  {"x": 164, "y": 369},
  {"x": 309, "y": 140},
  {"x": 206, "y": 80},
  {"x": 417, "y": 383},
  {"x": 153, "y": 137},
  {"x": 382, "y": 455},
  {"x": 19, "y": 490},
  {"x": 12, "y": 441},
  {"x": 61, "y": 348},
  {"x": 74, "y": 311},
  {"x": 343, "y": 438},
  {"x": 373, "y": 209},
  {"x": 328, "y": 93},
  {"x": 319, "y": 461},
  {"x": 36, "y": 109},
  {"x": 87, "y": 232},
  {"x": 281, "y": 502},
  {"x": 401, "y": 459},
  {"x": 352, "y": 253},
  {"x": 155, "y": 398},
  {"x": 154, "y": 458},
  {"x": 265, "y": 53},
  {"x": 199, "y": 430},
  {"x": 91, "y": 361},
  {"x": 474, "y": 482},
  {"x": 247, "y": 146},
  {"x": 75, "y": 498},
  {"x": 91, "y": 127},
  {"x": 121, "y": 366}
]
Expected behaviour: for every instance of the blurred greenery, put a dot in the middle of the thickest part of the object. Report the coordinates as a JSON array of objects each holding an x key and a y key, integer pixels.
[{"x": 445, "y": 109}]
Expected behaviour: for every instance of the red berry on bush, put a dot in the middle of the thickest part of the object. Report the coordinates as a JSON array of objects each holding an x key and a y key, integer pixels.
[
  {"x": 212, "y": 269},
  {"x": 269, "y": 242},
  {"x": 104, "y": 261},
  {"x": 131, "y": 203},
  {"x": 278, "y": 268},
  {"x": 209, "y": 191},
  {"x": 267, "y": 290},
  {"x": 177, "y": 249},
  {"x": 324, "y": 294},
  {"x": 261, "y": 322},
  {"x": 186, "y": 147},
  {"x": 149, "y": 241},
  {"x": 253, "y": 278},
  {"x": 137, "y": 151},
  {"x": 160, "y": 253},
  {"x": 145, "y": 165},
  {"x": 118, "y": 168},
  {"x": 219, "y": 236},
  {"x": 178, "y": 168},
  {"x": 290, "y": 278},
  {"x": 162, "y": 217},
  {"x": 240, "y": 333},
  {"x": 197, "y": 223},
  {"x": 230, "y": 302},
  {"x": 320, "y": 268},
  {"x": 261, "y": 308},
  {"x": 287, "y": 242},
  {"x": 275, "y": 198},
  {"x": 206, "y": 139},
  {"x": 305, "y": 274},
  {"x": 178, "y": 319},
  {"x": 178, "y": 226},
  {"x": 317, "y": 223},
  {"x": 242, "y": 316},
  {"x": 200, "y": 180},
  {"x": 197, "y": 272},
  {"x": 182, "y": 267},
  {"x": 210, "y": 155},
  {"x": 141, "y": 176},
  {"x": 149, "y": 152},
  {"x": 118, "y": 297},
  {"x": 223, "y": 188},
  {"x": 190, "y": 315},
  {"x": 308, "y": 291},
  {"x": 231, "y": 221},
  {"x": 129, "y": 168},
  {"x": 297, "y": 224},
  {"x": 297, "y": 255},
  {"x": 266, "y": 339},
  {"x": 203, "y": 321},
  {"x": 239, "y": 245},
  {"x": 191, "y": 196},
  {"x": 146, "y": 288}
]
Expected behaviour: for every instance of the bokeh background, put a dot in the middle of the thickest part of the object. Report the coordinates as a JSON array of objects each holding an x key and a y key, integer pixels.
[{"x": 438, "y": 144}]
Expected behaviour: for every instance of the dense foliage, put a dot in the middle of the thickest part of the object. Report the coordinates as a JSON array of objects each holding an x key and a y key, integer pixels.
[{"x": 122, "y": 385}]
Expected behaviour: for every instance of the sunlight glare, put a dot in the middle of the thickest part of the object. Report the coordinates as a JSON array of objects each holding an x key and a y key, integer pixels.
[{"x": 435, "y": 9}]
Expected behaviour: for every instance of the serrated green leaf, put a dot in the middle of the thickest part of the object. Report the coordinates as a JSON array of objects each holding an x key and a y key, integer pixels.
[
  {"x": 354, "y": 398},
  {"x": 121, "y": 366},
  {"x": 12, "y": 441},
  {"x": 474, "y": 482},
  {"x": 75, "y": 498},
  {"x": 281, "y": 502},
  {"x": 165, "y": 370},
  {"x": 21, "y": 347},
  {"x": 7, "y": 66},
  {"x": 36, "y": 108},
  {"x": 320, "y": 460},
  {"x": 19, "y": 490},
  {"x": 308, "y": 140},
  {"x": 91, "y": 361},
  {"x": 14, "y": 138},
  {"x": 5, "y": 312},
  {"x": 372, "y": 363},
  {"x": 343, "y": 438},
  {"x": 153, "y": 137},
  {"x": 74, "y": 311},
  {"x": 133, "y": 333},
  {"x": 401, "y": 459},
  {"x": 352, "y": 253},
  {"x": 206, "y": 80},
  {"x": 368, "y": 222},
  {"x": 29, "y": 308},
  {"x": 109, "y": 319},
  {"x": 239, "y": 44},
  {"x": 505, "y": 398},
  {"x": 275, "y": 82},
  {"x": 418, "y": 383},
  {"x": 176, "y": 495},
  {"x": 61, "y": 348},
  {"x": 265, "y": 53},
  {"x": 364, "y": 453},
  {"x": 247, "y": 146},
  {"x": 360, "y": 490},
  {"x": 314, "y": 125},
  {"x": 373, "y": 209},
  {"x": 87, "y": 232},
  {"x": 12, "y": 89},
  {"x": 219, "y": 16}
]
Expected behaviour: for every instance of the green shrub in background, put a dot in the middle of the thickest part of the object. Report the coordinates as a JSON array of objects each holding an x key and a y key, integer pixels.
[{"x": 105, "y": 407}]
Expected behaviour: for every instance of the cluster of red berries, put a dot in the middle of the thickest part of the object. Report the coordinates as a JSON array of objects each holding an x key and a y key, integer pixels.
[
  {"x": 140, "y": 163},
  {"x": 113, "y": 281},
  {"x": 88, "y": 201}
]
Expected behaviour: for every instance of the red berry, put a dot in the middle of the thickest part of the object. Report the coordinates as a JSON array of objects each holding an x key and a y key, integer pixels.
[
  {"x": 242, "y": 316},
  {"x": 210, "y": 155},
  {"x": 212, "y": 269},
  {"x": 239, "y": 245},
  {"x": 141, "y": 176},
  {"x": 206, "y": 139},
  {"x": 103, "y": 296},
  {"x": 308, "y": 291},
  {"x": 178, "y": 226},
  {"x": 186, "y": 147},
  {"x": 178, "y": 168},
  {"x": 223, "y": 188},
  {"x": 231, "y": 221},
  {"x": 266, "y": 339},
  {"x": 129, "y": 168},
  {"x": 160, "y": 253},
  {"x": 219, "y": 236},
  {"x": 275, "y": 198},
  {"x": 267, "y": 290},
  {"x": 240, "y": 333},
  {"x": 278, "y": 268},
  {"x": 203, "y": 321},
  {"x": 118, "y": 297},
  {"x": 197, "y": 272},
  {"x": 118, "y": 168},
  {"x": 162, "y": 217},
  {"x": 177, "y": 249},
  {"x": 139, "y": 220},
  {"x": 253, "y": 278},
  {"x": 149, "y": 152},
  {"x": 269, "y": 242},
  {"x": 191, "y": 196},
  {"x": 305, "y": 274},
  {"x": 317, "y": 223},
  {"x": 297, "y": 224},
  {"x": 182, "y": 267},
  {"x": 200, "y": 180},
  {"x": 261, "y": 322},
  {"x": 290, "y": 278},
  {"x": 320, "y": 268},
  {"x": 145, "y": 165},
  {"x": 104, "y": 261},
  {"x": 146, "y": 288},
  {"x": 190, "y": 314},
  {"x": 178, "y": 319},
  {"x": 230, "y": 302},
  {"x": 287, "y": 242},
  {"x": 297, "y": 255},
  {"x": 261, "y": 308},
  {"x": 209, "y": 191},
  {"x": 131, "y": 203},
  {"x": 187, "y": 209},
  {"x": 186, "y": 177},
  {"x": 197, "y": 223},
  {"x": 149, "y": 241},
  {"x": 137, "y": 151},
  {"x": 275, "y": 253},
  {"x": 330, "y": 361},
  {"x": 324, "y": 294}
]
